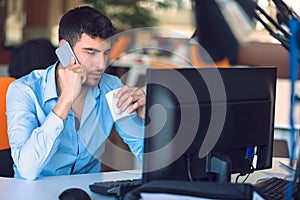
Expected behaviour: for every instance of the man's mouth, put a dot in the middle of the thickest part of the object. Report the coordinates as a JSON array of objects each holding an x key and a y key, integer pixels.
[{"x": 96, "y": 74}]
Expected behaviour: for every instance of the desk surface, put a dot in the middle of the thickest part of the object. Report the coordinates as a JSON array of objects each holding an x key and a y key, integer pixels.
[{"x": 50, "y": 187}]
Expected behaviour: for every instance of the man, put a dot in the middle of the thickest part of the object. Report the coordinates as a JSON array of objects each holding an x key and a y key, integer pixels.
[{"x": 58, "y": 118}]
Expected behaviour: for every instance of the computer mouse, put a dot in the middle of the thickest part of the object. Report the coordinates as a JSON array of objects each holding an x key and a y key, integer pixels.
[{"x": 74, "y": 194}]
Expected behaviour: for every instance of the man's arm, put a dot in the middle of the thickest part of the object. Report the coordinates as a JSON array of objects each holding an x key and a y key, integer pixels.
[
  {"x": 32, "y": 133},
  {"x": 132, "y": 133},
  {"x": 32, "y": 138},
  {"x": 132, "y": 130}
]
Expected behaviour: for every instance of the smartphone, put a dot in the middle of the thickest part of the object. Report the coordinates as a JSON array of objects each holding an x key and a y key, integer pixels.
[{"x": 65, "y": 53}]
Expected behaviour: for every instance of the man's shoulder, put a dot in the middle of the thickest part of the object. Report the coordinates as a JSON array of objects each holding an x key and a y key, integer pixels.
[
  {"x": 32, "y": 80},
  {"x": 32, "y": 77}
]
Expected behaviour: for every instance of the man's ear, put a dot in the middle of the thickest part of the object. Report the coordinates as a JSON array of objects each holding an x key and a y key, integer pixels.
[{"x": 61, "y": 42}]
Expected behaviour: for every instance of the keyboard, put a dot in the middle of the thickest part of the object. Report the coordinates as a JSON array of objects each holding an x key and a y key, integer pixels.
[
  {"x": 271, "y": 189},
  {"x": 274, "y": 188},
  {"x": 115, "y": 188}
]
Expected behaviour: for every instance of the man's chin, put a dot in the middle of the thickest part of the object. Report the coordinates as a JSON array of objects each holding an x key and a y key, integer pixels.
[{"x": 92, "y": 83}]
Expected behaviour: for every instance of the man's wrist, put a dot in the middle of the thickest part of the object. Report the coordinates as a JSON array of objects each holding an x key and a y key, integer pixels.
[
  {"x": 62, "y": 108},
  {"x": 63, "y": 118}
]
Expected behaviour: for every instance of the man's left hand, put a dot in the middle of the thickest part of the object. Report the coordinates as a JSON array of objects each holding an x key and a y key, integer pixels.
[{"x": 132, "y": 98}]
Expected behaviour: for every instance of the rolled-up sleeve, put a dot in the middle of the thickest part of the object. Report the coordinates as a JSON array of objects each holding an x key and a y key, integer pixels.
[{"x": 132, "y": 132}]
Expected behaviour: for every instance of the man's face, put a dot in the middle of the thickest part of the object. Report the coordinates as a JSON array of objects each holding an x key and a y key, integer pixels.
[{"x": 92, "y": 54}]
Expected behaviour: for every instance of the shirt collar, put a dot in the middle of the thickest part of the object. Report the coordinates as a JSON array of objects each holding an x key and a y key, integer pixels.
[
  {"x": 51, "y": 89},
  {"x": 97, "y": 90},
  {"x": 50, "y": 83}
]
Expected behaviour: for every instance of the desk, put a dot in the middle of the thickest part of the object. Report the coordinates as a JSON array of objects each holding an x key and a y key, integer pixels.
[
  {"x": 48, "y": 188},
  {"x": 277, "y": 170}
]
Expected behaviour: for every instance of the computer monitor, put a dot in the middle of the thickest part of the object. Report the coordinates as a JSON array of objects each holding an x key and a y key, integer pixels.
[{"x": 208, "y": 123}]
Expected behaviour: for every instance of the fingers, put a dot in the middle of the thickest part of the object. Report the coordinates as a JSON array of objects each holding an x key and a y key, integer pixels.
[
  {"x": 139, "y": 103},
  {"x": 125, "y": 97},
  {"x": 72, "y": 61},
  {"x": 83, "y": 73},
  {"x": 78, "y": 68},
  {"x": 138, "y": 99},
  {"x": 130, "y": 97},
  {"x": 138, "y": 95},
  {"x": 73, "y": 71}
]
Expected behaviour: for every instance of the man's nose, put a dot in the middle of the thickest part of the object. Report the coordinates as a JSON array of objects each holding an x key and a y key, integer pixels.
[{"x": 101, "y": 62}]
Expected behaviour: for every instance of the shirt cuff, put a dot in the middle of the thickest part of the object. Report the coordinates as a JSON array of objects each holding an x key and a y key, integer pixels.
[{"x": 53, "y": 124}]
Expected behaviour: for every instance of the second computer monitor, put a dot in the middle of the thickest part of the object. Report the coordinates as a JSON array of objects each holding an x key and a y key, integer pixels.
[{"x": 207, "y": 123}]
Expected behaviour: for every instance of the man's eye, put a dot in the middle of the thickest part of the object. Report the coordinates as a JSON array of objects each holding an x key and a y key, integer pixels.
[
  {"x": 91, "y": 52},
  {"x": 107, "y": 53}
]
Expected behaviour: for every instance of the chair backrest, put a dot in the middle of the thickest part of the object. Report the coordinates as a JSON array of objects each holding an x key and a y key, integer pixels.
[
  {"x": 34, "y": 54},
  {"x": 5, "y": 156}
]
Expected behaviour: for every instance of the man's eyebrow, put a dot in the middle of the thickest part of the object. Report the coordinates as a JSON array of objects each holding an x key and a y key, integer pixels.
[
  {"x": 91, "y": 49},
  {"x": 96, "y": 50},
  {"x": 107, "y": 50}
]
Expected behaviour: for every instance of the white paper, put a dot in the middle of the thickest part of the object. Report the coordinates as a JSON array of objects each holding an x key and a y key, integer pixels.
[
  {"x": 165, "y": 196},
  {"x": 256, "y": 196},
  {"x": 112, "y": 101}
]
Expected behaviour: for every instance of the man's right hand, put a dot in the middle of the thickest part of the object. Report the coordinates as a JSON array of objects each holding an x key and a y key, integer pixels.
[{"x": 69, "y": 82}]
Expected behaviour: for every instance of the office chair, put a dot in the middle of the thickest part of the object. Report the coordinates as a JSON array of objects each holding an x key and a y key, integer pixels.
[
  {"x": 280, "y": 148},
  {"x": 6, "y": 162},
  {"x": 34, "y": 54}
]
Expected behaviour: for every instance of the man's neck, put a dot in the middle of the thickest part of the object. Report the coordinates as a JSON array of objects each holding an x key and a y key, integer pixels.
[{"x": 78, "y": 104}]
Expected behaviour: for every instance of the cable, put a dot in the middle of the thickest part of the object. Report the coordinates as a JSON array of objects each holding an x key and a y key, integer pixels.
[
  {"x": 246, "y": 178},
  {"x": 286, "y": 34},
  {"x": 188, "y": 166},
  {"x": 294, "y": 53},
  {"x": 287, "y": 13},
  {"x": 283, "y": 39},
  {"x": 238, "y": 176},
  {"x": 248, "y": 174}
]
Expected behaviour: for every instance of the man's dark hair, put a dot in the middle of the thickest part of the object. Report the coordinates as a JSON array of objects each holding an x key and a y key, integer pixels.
[{"x": 86, "y": 20}]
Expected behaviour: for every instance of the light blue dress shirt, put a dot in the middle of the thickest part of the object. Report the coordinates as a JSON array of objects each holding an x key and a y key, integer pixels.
[{"x": 42, "y": 144}]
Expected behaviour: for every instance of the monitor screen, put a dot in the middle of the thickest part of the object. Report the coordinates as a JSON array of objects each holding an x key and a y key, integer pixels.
[{"x": 208, "y": 123}]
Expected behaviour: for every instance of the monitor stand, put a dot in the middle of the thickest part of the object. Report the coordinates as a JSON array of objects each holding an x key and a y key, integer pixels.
[{"x": 220, "y": 165}]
